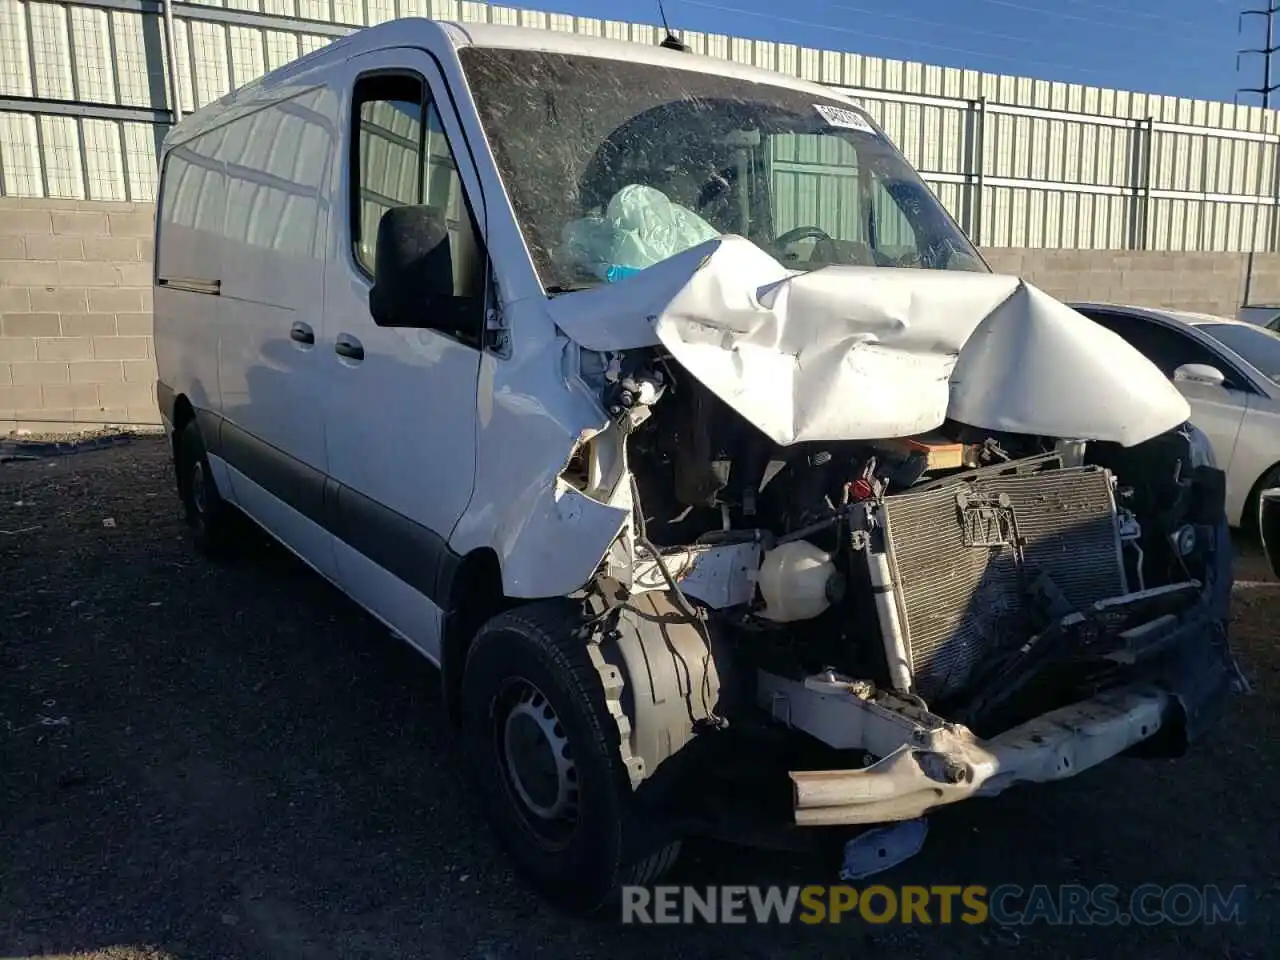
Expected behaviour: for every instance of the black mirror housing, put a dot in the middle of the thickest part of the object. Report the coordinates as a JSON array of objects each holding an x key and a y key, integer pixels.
[{"x": 413, "y": 269}]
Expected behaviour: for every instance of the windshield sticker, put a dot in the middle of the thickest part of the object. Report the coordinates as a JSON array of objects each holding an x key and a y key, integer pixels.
[{"x": 841, "y": 117}]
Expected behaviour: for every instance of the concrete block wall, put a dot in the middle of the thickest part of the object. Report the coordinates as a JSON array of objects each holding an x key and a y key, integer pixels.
[
  {"x": 1200, "y": 282},
  {"x": 75, "y": 304},
  {"x": 75, "y": 315}
]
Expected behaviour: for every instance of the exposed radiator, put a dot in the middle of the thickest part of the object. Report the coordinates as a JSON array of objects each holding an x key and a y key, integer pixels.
[{"x": 959, "y": 555}]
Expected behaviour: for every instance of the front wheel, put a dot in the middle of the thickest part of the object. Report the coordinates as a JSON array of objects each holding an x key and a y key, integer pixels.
[{"x": 541, "y": 744}]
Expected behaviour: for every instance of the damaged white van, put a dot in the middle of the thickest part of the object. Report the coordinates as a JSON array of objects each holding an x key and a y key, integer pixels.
[{"x": 660, "y": 403}]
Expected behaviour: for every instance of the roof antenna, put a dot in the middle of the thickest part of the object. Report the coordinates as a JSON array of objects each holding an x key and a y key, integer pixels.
[{"x": 671, "y": 42}]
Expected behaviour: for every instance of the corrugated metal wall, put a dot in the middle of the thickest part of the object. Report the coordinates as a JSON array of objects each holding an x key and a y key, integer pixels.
[
  {"x": 1020, "y": 162},
  {"x": 814, "y": 180}
]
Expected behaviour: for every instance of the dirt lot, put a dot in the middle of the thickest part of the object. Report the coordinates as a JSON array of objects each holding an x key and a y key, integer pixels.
[{"x": 202, "y": 762}]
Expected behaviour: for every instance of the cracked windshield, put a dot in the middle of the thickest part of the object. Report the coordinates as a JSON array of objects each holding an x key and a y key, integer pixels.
[{"x": 613, "y": 167}]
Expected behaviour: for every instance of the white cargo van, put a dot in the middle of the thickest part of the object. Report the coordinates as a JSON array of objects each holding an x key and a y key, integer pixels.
[{"x": 660, "y": 403}]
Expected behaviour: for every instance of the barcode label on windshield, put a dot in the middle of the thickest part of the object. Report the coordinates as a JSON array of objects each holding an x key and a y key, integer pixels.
[{"x": 841, "y": 117}]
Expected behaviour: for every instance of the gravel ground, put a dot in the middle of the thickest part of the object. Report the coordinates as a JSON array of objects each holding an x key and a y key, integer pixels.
[{"x": 202, "y": 761}]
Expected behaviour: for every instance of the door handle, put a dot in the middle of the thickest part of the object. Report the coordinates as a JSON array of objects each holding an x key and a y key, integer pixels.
[
  {"x": 301, "y": 333},
  {"x": 349, "y": 348}
]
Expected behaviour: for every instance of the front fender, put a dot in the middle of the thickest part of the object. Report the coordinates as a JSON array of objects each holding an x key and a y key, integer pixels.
[
  {"x": 554, "y": 546},
  {"x": 532, "y": 411}
]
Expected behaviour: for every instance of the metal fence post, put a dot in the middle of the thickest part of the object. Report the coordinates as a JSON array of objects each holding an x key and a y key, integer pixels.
[
  {"x": 975, "y": 167},
  {"x": 1148, "y": 165},
  {"x": 1140, "y": 167},
  {"x": 1273, "y": 211},
  {"x": 171, "y": 50}
]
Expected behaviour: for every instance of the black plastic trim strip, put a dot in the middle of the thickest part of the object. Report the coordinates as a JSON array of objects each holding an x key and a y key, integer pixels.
[
  {"x": 283, "y": 476},
  {"x": 210, "y": 431},
  {"x": 165, "y": 398},
  {"x": 403, "y": 548},
  {"x": 406, "y": 549}
]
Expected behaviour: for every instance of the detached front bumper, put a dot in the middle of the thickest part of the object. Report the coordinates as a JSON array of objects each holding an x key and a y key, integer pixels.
[{"x": 1175, "y": 673}]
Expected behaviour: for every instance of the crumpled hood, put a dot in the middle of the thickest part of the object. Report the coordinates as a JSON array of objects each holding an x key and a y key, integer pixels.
[{"x": 856, "y": 353}]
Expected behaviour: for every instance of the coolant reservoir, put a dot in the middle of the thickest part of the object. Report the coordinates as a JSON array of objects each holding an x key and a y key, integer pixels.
[{"x": 793, "y": 581}]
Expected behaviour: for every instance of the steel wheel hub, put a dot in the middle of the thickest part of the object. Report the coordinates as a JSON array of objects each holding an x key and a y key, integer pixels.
[
  {"x": 539, "y": 764},
  {"x": 199, "y": 492}
]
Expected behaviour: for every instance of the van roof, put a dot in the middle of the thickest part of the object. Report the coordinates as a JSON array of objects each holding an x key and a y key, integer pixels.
[
  {"x": 410, "y": 31},
  {"x": 558, "y": 41}
]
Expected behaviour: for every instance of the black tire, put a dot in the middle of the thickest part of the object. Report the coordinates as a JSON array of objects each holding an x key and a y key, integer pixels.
[
  {"x": 1249, "y": 522},
  {"x": 1268, "y": 521},
  {"x": 529, "y": 679},
  {"x": 213, "y": 522}
]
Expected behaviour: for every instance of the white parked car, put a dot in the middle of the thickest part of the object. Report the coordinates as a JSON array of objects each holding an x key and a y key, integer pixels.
[
  {"x": 1229, "y": 371},
  {"x": 659, "y": 402}
]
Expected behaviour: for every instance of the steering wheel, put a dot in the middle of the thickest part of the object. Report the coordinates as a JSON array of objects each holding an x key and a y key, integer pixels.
[{"x": 796, "y": 234}]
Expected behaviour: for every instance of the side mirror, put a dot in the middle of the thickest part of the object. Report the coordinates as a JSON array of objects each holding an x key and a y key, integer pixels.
[
  {"x": 413, "y": 270},
  {"x": 1199, "y": 373}
]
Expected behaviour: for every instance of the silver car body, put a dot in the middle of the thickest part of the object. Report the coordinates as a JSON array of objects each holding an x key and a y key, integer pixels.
[
  {"x": 1262, "y": 315},
  {"x": 1239, "y": 410}
]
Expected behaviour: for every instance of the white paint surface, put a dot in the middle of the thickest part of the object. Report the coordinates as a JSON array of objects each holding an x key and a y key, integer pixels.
[{"x": 850, "y": 353}]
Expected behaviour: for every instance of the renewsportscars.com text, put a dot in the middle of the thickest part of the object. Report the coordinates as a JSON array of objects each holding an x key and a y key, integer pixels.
[{"x": 1006, "y": 905}]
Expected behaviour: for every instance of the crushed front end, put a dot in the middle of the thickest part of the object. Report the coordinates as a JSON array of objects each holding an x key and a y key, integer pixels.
[
  {"x": 947, "y": 614},
  {"x": 1036, "y": 618},
  {"x": 943, "y": 533}
]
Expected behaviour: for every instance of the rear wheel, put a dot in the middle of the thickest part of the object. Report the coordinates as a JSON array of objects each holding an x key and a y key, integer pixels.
[
  {"x": 542, "y": 747},
  {"x": 212, "y": 521}
]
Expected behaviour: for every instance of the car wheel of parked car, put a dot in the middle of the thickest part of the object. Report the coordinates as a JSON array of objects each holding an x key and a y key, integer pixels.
[
  {"x": 211, "y": 519},
  {"x": 1268, "y": 481},
  {"x": 1268, "y": 521},
  {"x": 541, "y": 745}
]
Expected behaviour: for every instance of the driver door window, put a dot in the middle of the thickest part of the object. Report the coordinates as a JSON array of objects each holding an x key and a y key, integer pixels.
[{"x": 403, "y": 157}]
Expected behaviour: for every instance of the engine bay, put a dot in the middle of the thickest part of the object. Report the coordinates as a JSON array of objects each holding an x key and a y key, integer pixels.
[{"x": 964, "y": 570}]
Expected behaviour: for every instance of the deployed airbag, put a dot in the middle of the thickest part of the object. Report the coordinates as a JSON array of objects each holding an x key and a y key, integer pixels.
[{"x": 640, "y": 227}]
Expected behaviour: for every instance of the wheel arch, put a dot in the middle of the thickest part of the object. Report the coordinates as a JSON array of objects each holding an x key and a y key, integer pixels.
[
  {"x": 181, "y": 414},
  {"x": 1249, "y": 520},
  {"x": 474, "y": 596},
  {"x": 631, "y": 839}
]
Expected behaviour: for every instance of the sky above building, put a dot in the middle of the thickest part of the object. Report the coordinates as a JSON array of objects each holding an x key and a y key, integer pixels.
[{"x": 1181, "y": 47}]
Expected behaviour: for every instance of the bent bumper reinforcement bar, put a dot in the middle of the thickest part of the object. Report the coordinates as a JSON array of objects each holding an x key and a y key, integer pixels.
[{"x": 950, "y": 764}]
